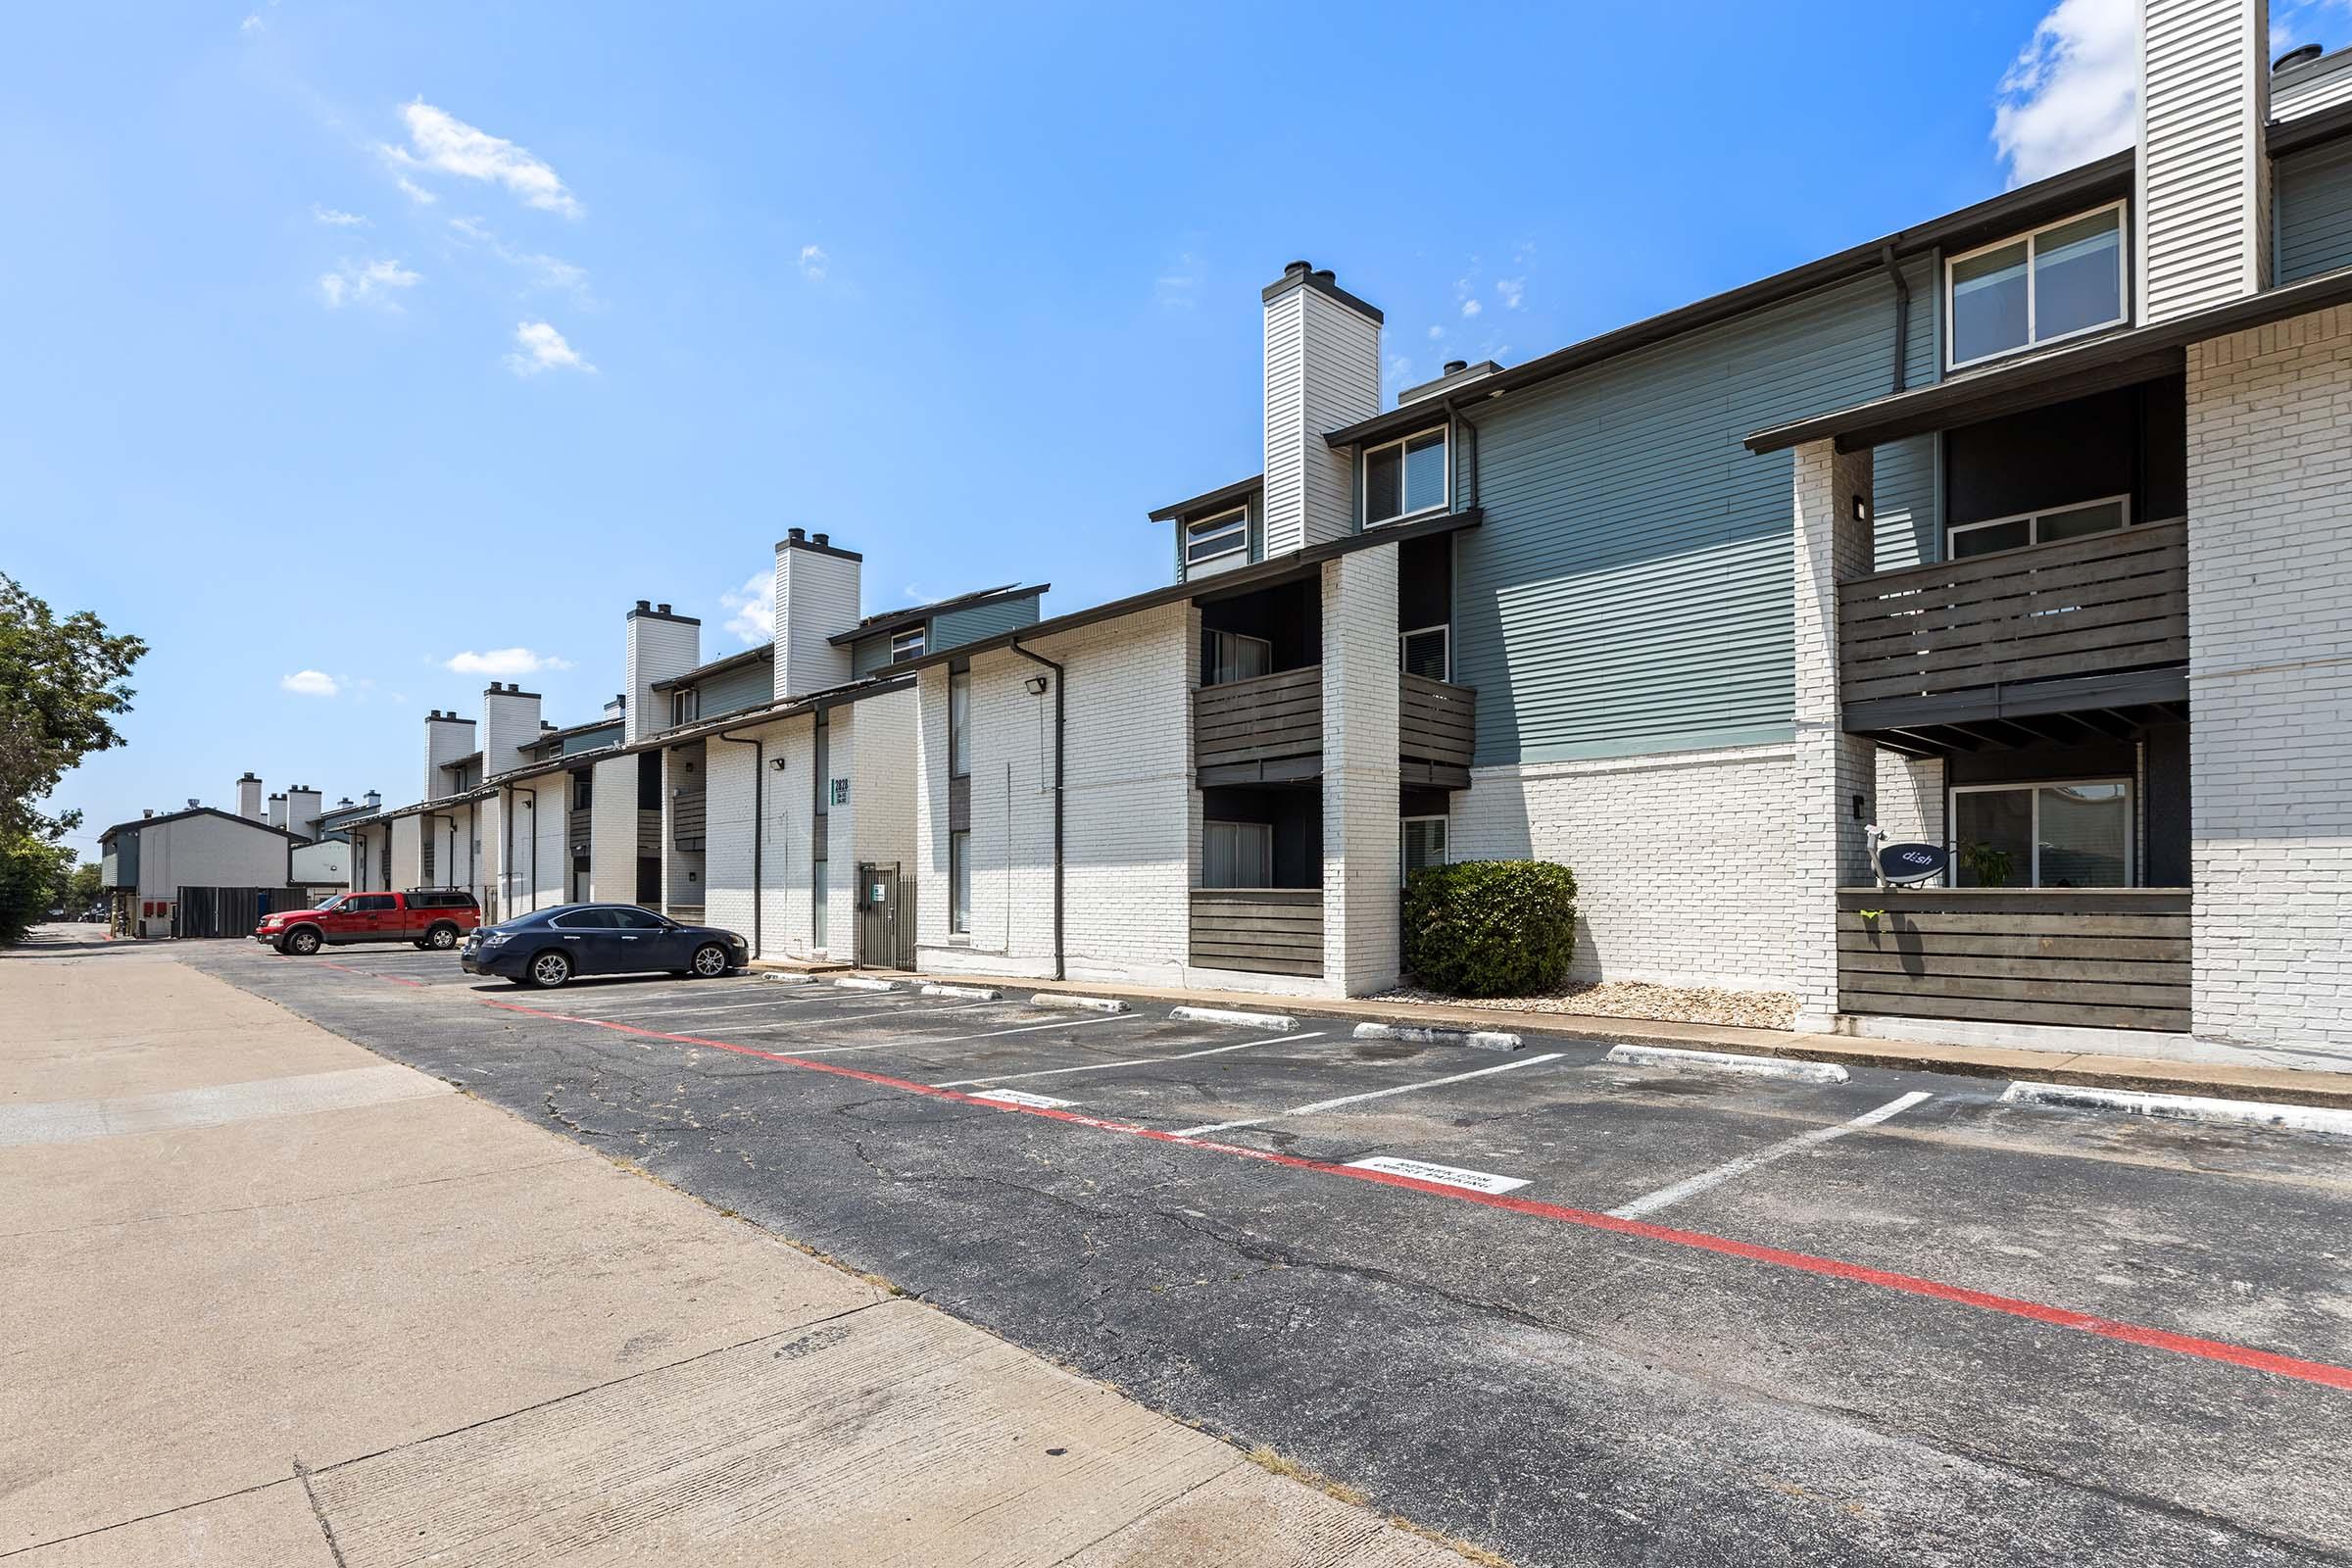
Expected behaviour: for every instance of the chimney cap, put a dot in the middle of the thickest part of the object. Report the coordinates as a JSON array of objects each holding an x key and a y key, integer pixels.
[
  {"x": 661, "y": 610},
  {"x": 1452, "y": 365},
  {"x": 1324, "y": 282},
  {"x": 795, "y": 535},
  {"x": 1298, "y": 270},
  {"x": 645, "y": 604},
  {"x": 821, "y": 538},
  {"x": 249, "y": 776},
  {"x": 2296, "y": 57}
]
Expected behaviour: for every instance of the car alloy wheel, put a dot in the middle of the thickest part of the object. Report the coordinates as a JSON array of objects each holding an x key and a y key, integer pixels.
[
  {"x": 303, "y": 943},
  {"x": 443, "y": 937},
  {"x": 550, "y": 970},
  {"x": 710, "y": 961}
]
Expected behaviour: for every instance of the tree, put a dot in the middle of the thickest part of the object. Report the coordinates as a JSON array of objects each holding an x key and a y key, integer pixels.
[
  {"x": 85, "y": 886},
  {"x": 61, "y": 687}
]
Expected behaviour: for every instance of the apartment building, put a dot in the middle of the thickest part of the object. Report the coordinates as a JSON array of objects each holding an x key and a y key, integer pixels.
[
  {"x": 721, "y": 790},
  {"x": 2016, "y": 532},
  {"x": 203, "y": 871}
]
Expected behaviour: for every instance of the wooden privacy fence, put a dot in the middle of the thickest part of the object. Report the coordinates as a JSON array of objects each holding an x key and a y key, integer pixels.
[
  {"x": 1262, "y": 930},
  {"x": 2107, "y": 957},
  {"x": 2113, "y": 601},
  {"x": 1437, "y": 720}
]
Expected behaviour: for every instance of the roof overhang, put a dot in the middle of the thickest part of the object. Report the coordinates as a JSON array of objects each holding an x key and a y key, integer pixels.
[
  {"x": 716, "y": 666},
  {"x": 918, "y": 614},
  {"x": 1225, "y": 584},
  {"x": 1222, "y": 499},
  {"x": 2120, "y": 358}
]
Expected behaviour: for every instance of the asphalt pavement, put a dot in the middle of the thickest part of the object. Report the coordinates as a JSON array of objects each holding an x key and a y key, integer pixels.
[{"x": 1574, "y": 1311}]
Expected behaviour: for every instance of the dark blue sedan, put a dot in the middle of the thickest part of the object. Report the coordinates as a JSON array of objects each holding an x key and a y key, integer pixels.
[{"x": 547, "y": 948}]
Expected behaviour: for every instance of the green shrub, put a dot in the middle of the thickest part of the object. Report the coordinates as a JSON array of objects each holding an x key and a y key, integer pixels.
[
  {"x": 1490, "y": 928},
  {"x": 32, "y": 874}
]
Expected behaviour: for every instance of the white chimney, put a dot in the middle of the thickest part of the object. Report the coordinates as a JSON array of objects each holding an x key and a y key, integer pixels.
[
  {"x": 661, "y": 644},
  {"x": 278, "y": 810},
  {"x": 249, "y": 797},
  {"x": 2203, "y": 207},
  {"x": 1322, "y": 372},
  {"x": 303, "y": 805},
  {"x": 373, "y": 799},
  {"x": 816, "y": 598},
  {"x": 447, "y": 737},
  {"x": 510, "y": 722}
]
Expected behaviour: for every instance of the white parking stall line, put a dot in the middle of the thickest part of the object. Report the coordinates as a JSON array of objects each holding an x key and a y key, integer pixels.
[
  {"x": 1651, "y": 1203},
  {"x": 957, "y": 1040},
  {"x": 822, "y": 1020},
  {"x": 1132, "y": 1061},
  {"x": 1357, "y": 1099},
  {"x": 657, "y": 1011}
]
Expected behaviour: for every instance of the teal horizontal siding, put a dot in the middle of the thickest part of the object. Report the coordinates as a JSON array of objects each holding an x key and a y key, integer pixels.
[
  {"x": 868, "y": 655},
  {"x": 1630, "y": 587},
  {"x": 952, "y": 628},
  {"x": 747, "y": 687},
  {"x": 590, "y": 740},
  {"x": 2312, "y": 194}
]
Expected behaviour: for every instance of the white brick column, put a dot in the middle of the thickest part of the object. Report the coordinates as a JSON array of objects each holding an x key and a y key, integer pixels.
[
  {"x": 1361, "y": 900},
  {"x": 612, "y": 831},
  {"x": 2270, "y": 668},
  {"x": 1832, "y": 767}
]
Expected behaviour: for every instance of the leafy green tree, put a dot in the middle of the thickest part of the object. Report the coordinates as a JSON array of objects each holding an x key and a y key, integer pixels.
[
  {"x": 61, "y": 688},
  {"x": 85, "y": 887}
]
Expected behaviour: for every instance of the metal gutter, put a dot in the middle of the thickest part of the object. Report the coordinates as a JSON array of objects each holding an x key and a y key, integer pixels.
[{"x": 1218, "y": 499}]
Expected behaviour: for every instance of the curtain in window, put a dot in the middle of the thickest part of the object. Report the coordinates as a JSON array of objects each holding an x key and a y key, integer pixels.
[{"x": 1236, "y": 854}]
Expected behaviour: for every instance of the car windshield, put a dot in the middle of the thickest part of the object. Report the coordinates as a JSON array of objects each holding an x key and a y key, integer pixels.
[{"x": 332, "y": 903}]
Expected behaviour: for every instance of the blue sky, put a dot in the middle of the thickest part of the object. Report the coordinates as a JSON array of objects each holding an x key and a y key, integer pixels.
[{"x": 353, "y": 339}]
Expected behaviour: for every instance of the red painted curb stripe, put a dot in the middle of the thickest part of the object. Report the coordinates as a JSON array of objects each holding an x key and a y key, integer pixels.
[
  {"x": 369, "y": 974},
  {"x": 2286, "y": 1366}
]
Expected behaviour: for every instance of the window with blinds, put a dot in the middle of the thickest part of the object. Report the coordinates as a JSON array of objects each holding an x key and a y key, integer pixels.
[
  {"x": 1236, "y": 854},
  {"x": 1424, "y": 844}
]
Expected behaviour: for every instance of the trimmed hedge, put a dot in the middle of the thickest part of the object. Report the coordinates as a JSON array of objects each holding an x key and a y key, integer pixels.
[{"x": 1490, "y": 928}]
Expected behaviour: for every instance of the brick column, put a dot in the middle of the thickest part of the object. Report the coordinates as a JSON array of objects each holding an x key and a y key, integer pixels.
[
  {"x": 1361, "y": 937},
  {"x": 1832, "y": 767}
]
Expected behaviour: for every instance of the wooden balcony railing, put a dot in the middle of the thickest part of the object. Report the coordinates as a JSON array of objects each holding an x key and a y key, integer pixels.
[
  {"x": 1258, "y": 726},
  {"x": 578, "y": 827},
  {"x": 2098, "y": 957},
  {"x": 1437, "y": 730},
  {"x": 1260, "y": 930},
  {"x": 687, "y": 815},
  {"x": 2110, "y": 602}
]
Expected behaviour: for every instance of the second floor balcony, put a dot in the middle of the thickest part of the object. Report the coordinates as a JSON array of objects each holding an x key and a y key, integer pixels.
[{"x": 1269, "y": 730}]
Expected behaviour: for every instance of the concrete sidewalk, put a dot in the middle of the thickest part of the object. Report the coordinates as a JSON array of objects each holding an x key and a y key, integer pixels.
[
  {"x": 274, "y": 1300},
  {"x": 2221, "y": 1079}
]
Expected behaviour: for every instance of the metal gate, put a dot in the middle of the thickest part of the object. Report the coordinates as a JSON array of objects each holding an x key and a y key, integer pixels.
[
  {"x": 885, "y": 917},
  {"x": 229, "y": 911}
]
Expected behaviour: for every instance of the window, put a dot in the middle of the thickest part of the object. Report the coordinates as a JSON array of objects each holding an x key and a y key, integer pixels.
[
  {"x": 1236, "y": 854},
  {"x": 2053, "y": 284},
  {"x": 1212, "y": 538},
  {"x": 370, "y": 903},
  {"x": 906, "y": 645},
  {"x": 2067, "y": 835},
  {"x": 1424, "y": 844},
  {"x": 586, "y": 920},
  {"x": 1228, "y": 657},
  {"x": 1404, "y": 479},
  {"x": 959, "y": 725},
  {"x": 2040, "y": 527},
  {"x": 959, "y": 882},
  {"x": 635, "y": 920},
  {"x": 1426, "y": 653},
  {"x": 581, "y": 792},
  {"x": 685, "y": 707}
]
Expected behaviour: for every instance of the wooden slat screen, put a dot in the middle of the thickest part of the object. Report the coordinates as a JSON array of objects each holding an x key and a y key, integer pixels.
[
  {"x": 1261, "y": 930},
  {"x": 1271, "y": 716},
  {"x": 2109, "y": 602},
  {"x": 2111, "y": 959},
  {"x": 1437, "y": 720}
]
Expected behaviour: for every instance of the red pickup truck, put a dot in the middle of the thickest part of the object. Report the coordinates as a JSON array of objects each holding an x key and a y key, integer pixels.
[{"x": 427, "y": 917}]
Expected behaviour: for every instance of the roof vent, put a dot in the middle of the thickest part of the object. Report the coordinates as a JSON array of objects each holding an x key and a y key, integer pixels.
[
  {"x": 1327, "y": 278},
  {"x": 820, "y": 539},
  {"x": 2296, "y": 57},
  {"x": 797, "y": 535},
  {"x": 1298, "y": 270},
  {"x": 193, "y": 803},
  {"x": 659, "y": 609},
  {"x": 149, "y": 811},
  {"x": 645, "y": 604},
  {"x": 1453, "y": 365}
]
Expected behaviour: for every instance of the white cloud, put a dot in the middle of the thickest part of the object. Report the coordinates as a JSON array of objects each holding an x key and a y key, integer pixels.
[
  {"x": 414, "y": 192},
  {"x": 1471, "y": 307},
  {"x": 540, "y": 270},
  {"x": 1179, "y": 287},
  {"x": 814, "y": 262},
  {"x": 1513, "y": 291},
  {"x": 755, "y": 608},
  {"x": 251, "y": 24},
  {"x": 334, "y": 217},
  {"x": 310, "y": 683},
  {"x": 367, "y": 283},
  {"x": 2071, "y": 95},
  {"x": 1400, "y": 366},
  {"x": 440, "y": 141},
  {"x": 1436, "y": 333},
  {"x": 540, "y": 347},
  {"x": 503, "y": 662}
]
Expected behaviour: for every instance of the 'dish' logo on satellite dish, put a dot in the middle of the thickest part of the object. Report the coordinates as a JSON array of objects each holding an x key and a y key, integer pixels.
[{"x": 1912, "y": 862}]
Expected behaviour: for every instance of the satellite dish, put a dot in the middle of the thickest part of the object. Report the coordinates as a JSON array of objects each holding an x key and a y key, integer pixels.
[{"x": 1901, "y": 864}]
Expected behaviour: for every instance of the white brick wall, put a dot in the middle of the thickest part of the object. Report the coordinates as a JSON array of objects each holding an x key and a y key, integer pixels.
[
  {"x": 1361, "y": 935},
  {"x": 2270, "y": 604},
  {"x": 1128, "y": 821},
  {"x": 1911, "y": 798},
  {"x": 1682, "y": 874},
  {"x": 612, "y": 831},
  {"x": 1832, "y": 767},
  {"x": 882, "y": 775}
]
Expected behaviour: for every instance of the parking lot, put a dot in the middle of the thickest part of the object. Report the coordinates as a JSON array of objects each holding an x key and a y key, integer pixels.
[{"x": 1570, "y": 1309}]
